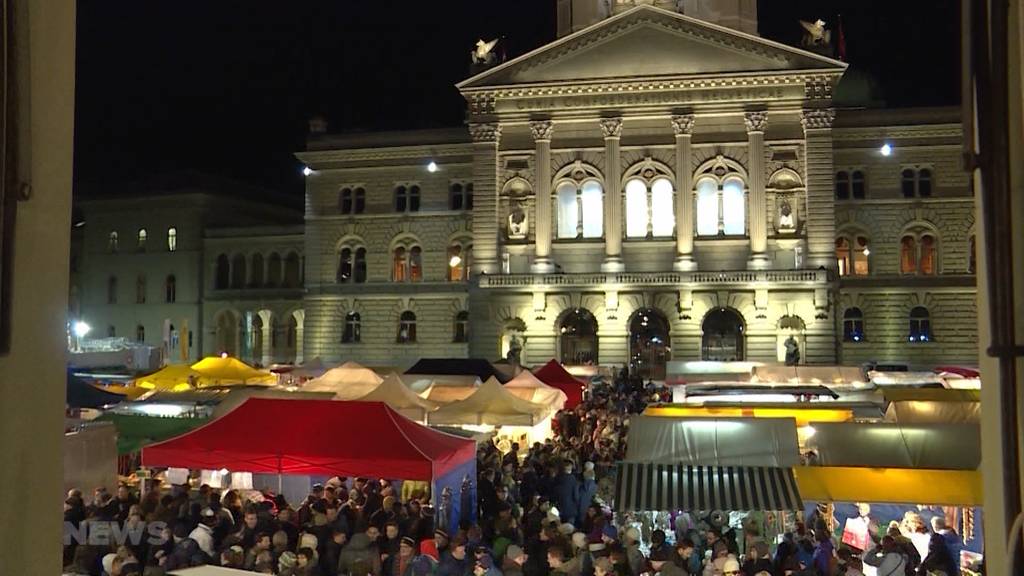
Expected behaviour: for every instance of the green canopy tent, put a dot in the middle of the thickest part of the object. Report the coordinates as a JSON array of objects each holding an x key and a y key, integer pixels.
[{"x": 135, "y": 431}]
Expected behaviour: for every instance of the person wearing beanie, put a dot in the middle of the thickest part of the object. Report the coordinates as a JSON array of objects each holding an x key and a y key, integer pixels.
[
  {"x": 634, "y": 557},
  {"x": 758, "y": 559},
  {"x": 456, "y": 561},
  {"x": 401, "y": 564},
  {"x": 441, "y": 541},
  {"x": 422, "y": 566},
  {"x": 286, "y": 564},
  {"x": 515, "y": 558}
]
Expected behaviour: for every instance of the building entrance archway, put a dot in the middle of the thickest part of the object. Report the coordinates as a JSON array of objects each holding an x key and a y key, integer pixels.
[
  {"x": 578, "y": 337},
  {"x": 723, "y": 336},
  {"x": 650, "y": 345}
]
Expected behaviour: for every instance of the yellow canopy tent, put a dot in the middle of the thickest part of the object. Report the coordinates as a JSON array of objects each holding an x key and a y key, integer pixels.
[
  {"x": 175, "y": 377},
  {"x": 803, "y": 415},
  {"x": 228, "y": 371},
  {"x": 889, "y": 485}
]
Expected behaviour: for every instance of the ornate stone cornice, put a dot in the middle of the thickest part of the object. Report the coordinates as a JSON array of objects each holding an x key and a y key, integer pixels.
[
  {"x": 682, "y": 124},
  {"x": 611, "y": 127},
  {"x": 756, "y": 121},
  {"x": 542, "y": 129},
  {"x": 817, "y": 118},
  {"x": 485, "y": 132}
]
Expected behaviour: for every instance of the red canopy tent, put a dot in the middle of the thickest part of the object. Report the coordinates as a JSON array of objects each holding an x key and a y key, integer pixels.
[
  {"x": 283, "y": 436},
  {"x": 553, "y": 374}
]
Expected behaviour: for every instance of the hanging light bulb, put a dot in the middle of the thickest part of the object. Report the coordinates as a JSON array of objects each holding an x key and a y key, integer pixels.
[{"x": 455, "y": 261}]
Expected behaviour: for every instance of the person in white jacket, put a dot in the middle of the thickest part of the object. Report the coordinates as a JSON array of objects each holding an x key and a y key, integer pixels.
[
  {"x": 203, "y": 532},
  {"x": 887, "y": 558}
]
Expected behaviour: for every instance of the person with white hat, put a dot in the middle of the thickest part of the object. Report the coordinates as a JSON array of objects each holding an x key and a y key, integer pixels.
[{"x": 203, "y": 532}]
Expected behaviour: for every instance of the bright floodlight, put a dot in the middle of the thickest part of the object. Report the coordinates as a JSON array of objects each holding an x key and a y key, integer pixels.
[
  {"x": 223, "y": 354},
  {"x": 867, "y": 252},
  {"x": 306, "y": 170},
  {"x": 432, "y": 166},
  {"x": 886, "y": 149},
  {"x": 81, "y": 329},
  {"x": 455, "y": 261}
]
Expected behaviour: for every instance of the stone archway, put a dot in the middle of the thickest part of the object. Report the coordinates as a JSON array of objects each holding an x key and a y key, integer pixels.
[
  {"x": 650, "y": 345},
  {"x": 578, "y": 337},
  {"x": 724, "y": 336}
]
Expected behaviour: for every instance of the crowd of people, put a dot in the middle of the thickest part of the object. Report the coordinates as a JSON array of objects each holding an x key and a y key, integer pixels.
[{"x": 542, "y": 511}]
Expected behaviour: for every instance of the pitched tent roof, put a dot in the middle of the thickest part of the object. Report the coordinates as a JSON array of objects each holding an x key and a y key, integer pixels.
[
  {"x": 312, "y": 369},
  {"x": 300, "y": 437},
  {"x": 529, "y": 387},
  {"x": 393, "y": 392},
  {"x": 348, "y": 381},
  {"x": 81, "y": 394},
  {"x": 651, "y": 43},
  {"x": 478, "y": 367},
  {"x": 555, "y": 375},
  {"x": 228, "y": 371},
  {"x": 175, "y": 377},
  {"x": 770, "y": 442},
  {"x": 491, "y": 404}
]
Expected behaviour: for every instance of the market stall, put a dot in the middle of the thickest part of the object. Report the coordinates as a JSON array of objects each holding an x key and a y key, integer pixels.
[
  {"x": 348, "y": 381},
  {"x": 478, "y": 367},
  {"x": 832, "y": 376},
  {"x": 529, "y": 387},
  {"x": 889, "y": 445},
  {"x": 174, "y": 377},
  {"x": 714, "y": 441},
  {"x": 749, "y": 393},
  {"x": 228, "y": 371},
  {"x": 555, "y": 375},
  {"x": 492, "y": 406},
  {"x": 300, "y": 437},
  {"x": 393, "y": 392}
]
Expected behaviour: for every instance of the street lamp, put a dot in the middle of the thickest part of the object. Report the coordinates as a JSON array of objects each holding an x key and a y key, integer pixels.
[
  {"x": 432, "y": 167},
  {"x": 79, "y": 329}
]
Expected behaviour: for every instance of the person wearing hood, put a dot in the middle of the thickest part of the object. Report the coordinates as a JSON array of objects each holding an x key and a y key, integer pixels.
[
  {"x": 455, "y": 562},
  {"x": 758, "y": 559},
  {"x": 514, "y": 560},
  {"x": 359, "y": 551},
  {"x": 484, "y": 566}
]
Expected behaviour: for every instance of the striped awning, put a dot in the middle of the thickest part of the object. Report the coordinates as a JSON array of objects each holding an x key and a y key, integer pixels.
[{"x": 647, "y": 486}]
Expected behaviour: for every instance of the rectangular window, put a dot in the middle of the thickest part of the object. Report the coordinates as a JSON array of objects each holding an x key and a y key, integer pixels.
[
  {"x": 663, "y": 216},
  {"x": 568, "y": 211},
  {"x": 734, "y": 208},
  {"x": 636, "y": 209},
  {"x": 707, "y": 209}
]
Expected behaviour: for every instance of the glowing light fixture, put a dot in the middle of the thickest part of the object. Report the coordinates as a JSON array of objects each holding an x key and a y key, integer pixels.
[
  {"x": 455, "y": 261},
  {"x": 306, "y": 170},
  {"x": 432, "y": 166},
  {"x": 867, "y": 252},
  {"x": 223, "y": 354},
  {"x": 81, "y": 329},
  {"x": 886, "y": 149}
]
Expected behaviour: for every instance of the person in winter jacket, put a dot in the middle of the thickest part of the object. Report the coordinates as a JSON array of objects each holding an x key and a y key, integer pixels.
[
  {"x": 939, "y": 558},
  {"x": 455, "y": 562},
  {"x": 887, "y": 559},
  {"x": 587, "y": 491},
  {"x": 566, "y": 494},
  {"x": 359, "y": 551}
]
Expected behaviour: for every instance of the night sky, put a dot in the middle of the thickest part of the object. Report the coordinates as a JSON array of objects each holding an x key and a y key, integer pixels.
[{"x": 226, "y": 87}]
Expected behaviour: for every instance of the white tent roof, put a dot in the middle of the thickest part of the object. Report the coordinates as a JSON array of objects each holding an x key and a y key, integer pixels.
[
  {"x": 348, "y": 381},
  {"x": 491, "y": 404},
  {"x": 393, "y": 392},
  {"x": 422, "y": 383},
  {"x": 311, "y": 369},
  {"x": 526, "y": 386},
  {"x": 713, "y": 441}
]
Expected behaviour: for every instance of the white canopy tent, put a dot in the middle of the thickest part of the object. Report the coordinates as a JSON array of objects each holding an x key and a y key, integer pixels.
[
  {"x": 526, "y": 386},
  {"x": 765, "y": 442},
  {"x": 348, "y": 381},
  {"x": 494, "y": 406},
  {"x": 393, "y": 392}
]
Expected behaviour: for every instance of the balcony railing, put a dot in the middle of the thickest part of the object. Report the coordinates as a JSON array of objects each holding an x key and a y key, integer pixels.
[{"x": 735, "y": 278}]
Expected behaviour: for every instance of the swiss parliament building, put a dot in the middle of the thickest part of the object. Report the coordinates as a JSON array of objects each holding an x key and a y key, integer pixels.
[{"x": 658, "y": 183}]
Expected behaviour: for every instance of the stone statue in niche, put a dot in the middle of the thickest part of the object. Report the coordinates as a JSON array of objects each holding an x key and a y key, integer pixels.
[
  {"x": 518, "y": 222},
  {"x": 792, "y": 351},
  {"x": 786, "y": 221},
  {"x": 515, "y": 350}
]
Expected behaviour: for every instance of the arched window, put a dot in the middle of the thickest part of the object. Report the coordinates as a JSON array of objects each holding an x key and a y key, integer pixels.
[
  {"x": 140, "y": 333},
  {"x": 853, "y": 325},
  {"x": 843, "y": 262},
  {"x": 112, "y": 290},
  {"x": 353, "y": 328},
  {"x": 919, "y": 252},
  {"x": 142, "y": 239},
  {"x": 170, "y": 289},
  {"x": 222, "y": 274},
  {"x": 650, "y": 345},
  {"x": 908, "y": 255},
  {"x": 926, "y": 260},
  {"x": 578, "y": 337},
  {"x": 292, "y": 272},
  {"x": 723, "y": 339},
  {"x": 238, "y": 276},
  {"x": 256, "y": 278},
  {"x": 415, "y": 264},
  {"x": 414, "y": 198},
  {"x": 852, "y": 255},
  {"x": 344, "y": 274},
  {"x": 112, "y": 242},
  {"x": 360, "y": 201},
  {"x": 580, "y": 209},
  {"x": 359, "y": 273},
  {"x": 469, "y": 196},
  {"x": 172, "y": 239},
  {"x": 972, "y": 255},
  {"x": 401, "y": 199},
  {"x": 274, "y": 270},
  {"x": 462, "y": 327},
  {"x": 649, "y": 209},
  {"x": 924, "y": 182},
  {"x": 406, "y": 328},
  {"x": 721, "y": 208},
  {"x": 857, "y": 185},
  {"x": 459, "y": 262},
  {"x": 400, "y": 264},
  {"x": 140, "y": 289},
  {"x": 842, "y": 185},
  {"x": 345, "y": 201},
  {"x": 907, "y": 184},
  {"x": 457, "y": 197},
  {"x": 920, "y": 325}
]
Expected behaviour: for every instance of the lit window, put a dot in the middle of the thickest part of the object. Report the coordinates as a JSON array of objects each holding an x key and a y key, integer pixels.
[
  {"x": 852, "y": 255},
  {"x": 908, "y": 255},
  {"x": 580, "y": 210},
  {"x": 721, "y": 209},
  {"x": 919, "y": 252},
  {"x": 860, "y": 256},
  {"x": 415, "y": 264},
  {"x": 636, "y": 209},
  {"x": 927, "y": 258},
  {"x": 462, "y": 327},
  {"x": 353, "y": 328},
  {"x": 400, "y": 263},
  {"x": 707, "y": 207},
  {"x": 406, "y": 328},
  {"x": 112, "y": 242},
  {"x": 142, "y": 239},
  {"x": 920, "y": 325},
  {"x": 663, "y": 215},
  {"x": 649, "y": 211},
  {"x": 843, "y": 256},
  {"x": 734, "y": 210},
  {"x": 853, "y": 325},
  {"x": 172, "y": 239},
  {"x": 459, "y": 262}
]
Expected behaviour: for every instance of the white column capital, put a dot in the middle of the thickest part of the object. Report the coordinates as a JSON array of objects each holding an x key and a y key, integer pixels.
[
  {"x": 756, "y": 121},
  {"x": 682, "y": 124},
  {"x": 611, "y": 127},
  {"x": 542, "y": 129}
]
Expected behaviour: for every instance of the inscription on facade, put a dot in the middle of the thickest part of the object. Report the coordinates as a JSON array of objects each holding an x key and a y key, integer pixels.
[{"x": 654, "y": 98}]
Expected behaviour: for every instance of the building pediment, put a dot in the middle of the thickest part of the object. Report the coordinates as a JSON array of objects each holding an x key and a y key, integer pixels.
[{"x": 650, "y": 43}]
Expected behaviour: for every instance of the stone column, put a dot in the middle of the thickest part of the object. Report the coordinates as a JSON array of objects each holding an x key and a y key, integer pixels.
[
  {"x": 300, "y": 322},
  {"x": 757, "y": 204},
  {"x": 682, "y": 125},
  {"x": 819, "y": 221},
  {"x": 611, "y": 128},
  {"x": 542, "y": 131},
  {"x": 485, "y": 197},
  {"x": 267, "y": 352}
]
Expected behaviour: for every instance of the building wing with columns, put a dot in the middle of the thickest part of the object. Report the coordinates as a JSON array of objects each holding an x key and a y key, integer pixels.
[{"x": 651, "y": 186}]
